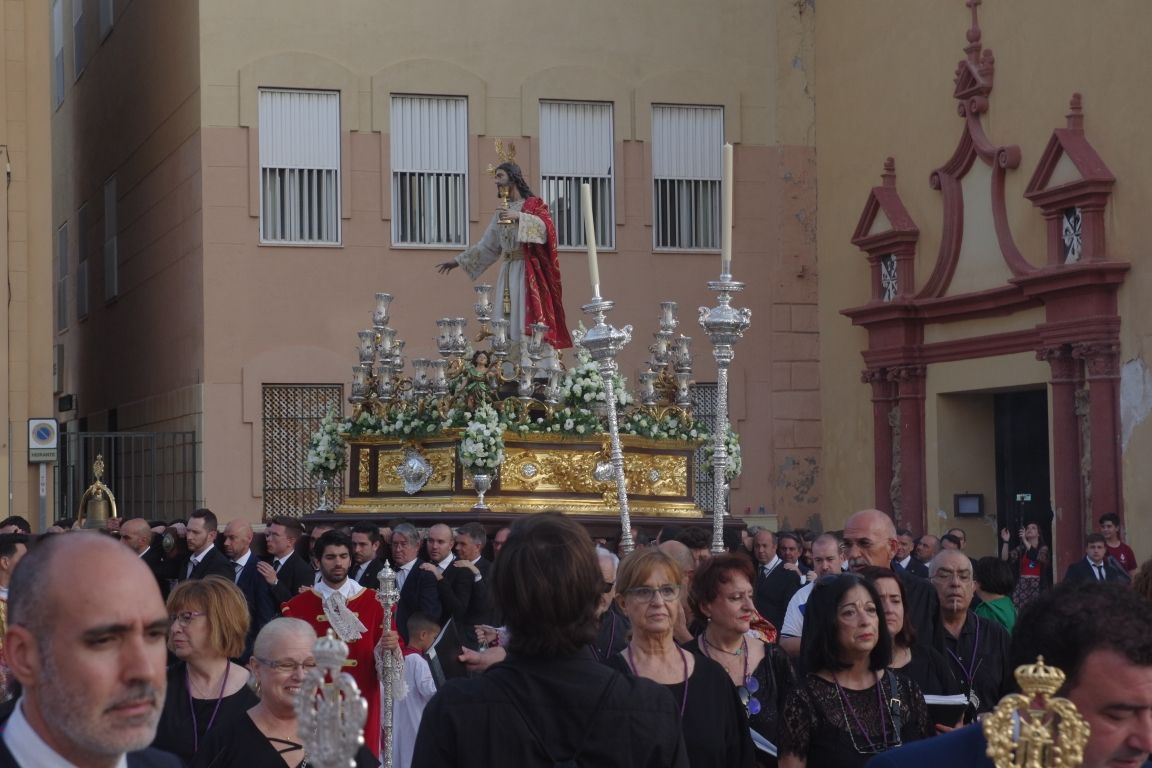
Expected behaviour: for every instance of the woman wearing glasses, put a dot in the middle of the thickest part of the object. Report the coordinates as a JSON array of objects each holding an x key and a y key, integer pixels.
[
  {"x": 713, "y": 721},
  {"x": 721, "y": 593},
  {"x": 267, "y": 735},
  {"x": 849, "y": 707},
  {"x": 205, "y": 689}
]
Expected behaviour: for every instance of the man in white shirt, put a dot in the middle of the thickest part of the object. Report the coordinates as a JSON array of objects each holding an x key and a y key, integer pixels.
[
  {"x": 440, "y": 541},
  {"x": 1096, "y": 565},
  {"x": 418, "y": 591},
  {"x": 261, "y": 605},
  {"x": 90, "y": 654},
  {"x": 204, "y": 559},
  {"x": 826, "y": 560}
]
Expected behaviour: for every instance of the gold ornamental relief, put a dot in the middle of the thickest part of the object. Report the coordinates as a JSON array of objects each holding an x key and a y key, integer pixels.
[
  {"x": 534, "y": 471},
  {"x": 442, "y": 460},
  {"x": 365, "y": 464},
  {"x": 656, "y": 474}
]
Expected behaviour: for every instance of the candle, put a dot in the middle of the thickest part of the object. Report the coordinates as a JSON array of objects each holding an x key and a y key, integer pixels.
[
  {"x": 726, "y": 215},
  {"x": 590, "y": 236}
]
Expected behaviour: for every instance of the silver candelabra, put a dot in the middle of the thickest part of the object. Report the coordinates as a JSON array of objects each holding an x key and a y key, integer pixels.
[{"x": 725, "y": 325}]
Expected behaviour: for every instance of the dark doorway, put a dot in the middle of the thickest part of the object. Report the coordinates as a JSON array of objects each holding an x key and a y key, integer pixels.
[{"x": 1022, "y": 477}]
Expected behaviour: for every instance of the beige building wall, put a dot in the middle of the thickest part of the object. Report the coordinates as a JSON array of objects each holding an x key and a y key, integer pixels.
[
  {"x": 247, "y": 315},
  {"x": 25, "y": 249},
  {"x": 885, "y": 72}
]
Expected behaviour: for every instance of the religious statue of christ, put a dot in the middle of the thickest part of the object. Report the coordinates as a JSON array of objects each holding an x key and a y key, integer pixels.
[{"x": 528, "y": 285}]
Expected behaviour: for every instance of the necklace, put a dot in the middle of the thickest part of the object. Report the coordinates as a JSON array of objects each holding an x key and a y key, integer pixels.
[
  {"x": 870, "y": 747},
  {"x": 215, "y": 710},
  {"x": 751, "y": 684},
  {"x": 969, "y": 672},
  {"x": 684, "y": 659}
]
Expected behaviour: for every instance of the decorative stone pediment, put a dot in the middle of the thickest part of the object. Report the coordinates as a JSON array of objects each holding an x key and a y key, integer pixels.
[{"x": 887, "y": 233}]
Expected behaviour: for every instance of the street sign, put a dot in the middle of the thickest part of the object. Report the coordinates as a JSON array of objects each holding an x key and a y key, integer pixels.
[{"x": 43, "y": 440}]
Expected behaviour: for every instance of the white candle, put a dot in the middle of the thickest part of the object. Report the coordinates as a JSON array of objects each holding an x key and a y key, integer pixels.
[
  {"x": 590, "y": 236},
  {"x": 726, "y": 216}
]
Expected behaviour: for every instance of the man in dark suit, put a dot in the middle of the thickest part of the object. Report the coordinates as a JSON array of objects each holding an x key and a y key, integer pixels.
[
  {"x": 775, "y": 584},
  {"x": 417, "y": 587},
  {"x": 1096, "y": 565},
  {"x": 287, "y": 572},
  {"x": 87, "y": 699},
  {"x": 137, "y": 535},
  {"x": 463, "y": 586},
  {"x": 366, "y": 562},
  {"x": 261, "y": 608},
  {"x": 204, "y": 559},
  {"x": 905, "y": 543}
]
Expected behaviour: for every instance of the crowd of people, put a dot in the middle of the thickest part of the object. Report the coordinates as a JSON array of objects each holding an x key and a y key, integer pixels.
[{"x": 189, "y": 643}]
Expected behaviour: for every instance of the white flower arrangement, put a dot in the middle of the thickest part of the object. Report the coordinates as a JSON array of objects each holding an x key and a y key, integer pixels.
[
  {"x": 735, "y": 460},
  {"x": 583, "y": 387},
  {"x": 327, "y": 454},
  {"x": 667, "y": 427},
  {"x": 482, "y": 445}
]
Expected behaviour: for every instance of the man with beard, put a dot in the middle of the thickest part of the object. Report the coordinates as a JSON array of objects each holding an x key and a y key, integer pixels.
[
  {"x": 90, "y": 654},
  {"x": 353, "y": 613},
  {"x": 528, "y": 286}
]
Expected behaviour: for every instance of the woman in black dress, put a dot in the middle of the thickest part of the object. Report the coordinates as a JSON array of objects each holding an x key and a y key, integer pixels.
[
  {"x": 848, "y": 707},
  {"x": 713, "y": 721},
  {"x": 267, "y": 735},
  {"x": 721, "y": 593},
  {"x": 205, "y": 690}
]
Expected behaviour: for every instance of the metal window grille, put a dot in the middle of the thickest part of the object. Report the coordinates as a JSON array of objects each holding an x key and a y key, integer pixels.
[
  {"x": 429, "y": 146},
  {"x": 687, "y": 147},
  {"x": 57, "y": 53},
  {"x": 704, "y": 406},
  {"x": 576, "y": 147},
  {"x": 152, "y": 474},
  {"x": 291, "y": 413},
  {"x": 111, "y": 249},
  {"x": 79, "y": 48},
  {"x": 62, "y": 277},
  {"x": 299, "y": 166}
]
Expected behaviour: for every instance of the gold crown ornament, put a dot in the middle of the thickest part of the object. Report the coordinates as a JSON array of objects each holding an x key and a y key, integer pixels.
[{"x": 1036, "y": 729}]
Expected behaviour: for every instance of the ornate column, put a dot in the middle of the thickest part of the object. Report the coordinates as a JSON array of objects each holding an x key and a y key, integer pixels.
[
  {"x": 1102, "y": 371},
  {"x": 882, "y": 406},
  {"x": 909, "y": 499},
  {"x": 1067, "y": 489}
]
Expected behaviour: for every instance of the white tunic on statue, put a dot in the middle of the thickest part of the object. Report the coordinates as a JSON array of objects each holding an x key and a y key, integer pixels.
[{"x": 407, "y": 712}]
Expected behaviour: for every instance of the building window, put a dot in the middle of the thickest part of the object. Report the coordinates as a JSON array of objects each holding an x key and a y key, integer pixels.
[
  {"x": 687, "y": 148},
  {"x": 57, "y": 53},
  {"x": 299, "y": 167},
  {"x": 429, "y": 144},
  {"x": 62, "y": 277},
  {"x": 82, "y": 262},
  {"x": 576, "y": 148},
  {"x": 79, "y": 49},
  {"x": 111, "y": 248},
  {"x": 107, "y": 17},
  {"x": 291, "y": 413}
]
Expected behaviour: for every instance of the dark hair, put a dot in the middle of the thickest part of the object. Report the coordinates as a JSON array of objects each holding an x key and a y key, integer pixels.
[
  {"x": 907, "y": 634},
  {"x": 1110, "y": 517},
  {"x": 954, "y": 539},
  {"x": 292, "y": 526},
  {"x": 717, "y": 570},
  {"x": 333, "y": 538},
  {"x": 474, "y": 531},
  {"x": 789, "y": 535},
  {"x": 371, "y": 530},
  {"x": 1066, "y": 624},
  {"x": 903, "y": 532},
  {"x": 668, "y": 533},
  {"x": 993, "y": 575},
  {"x": 543, "y": 552},
  {"x": 476, "y": 356},
  {"x": 420, "y": 622},
  {"x": 208, "y": 516},
  {"x": 695, "y": 538},
  {"x": 516, "y": 176},
  {"x": 820, "y": 642},
  {"x": 19, "y": 522},
  {"x": 1095, "y": 538},
  {"x": 9, "y": 541}
]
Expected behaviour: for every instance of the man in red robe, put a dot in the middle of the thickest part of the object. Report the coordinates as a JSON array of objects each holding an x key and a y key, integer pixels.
[
  {"x": 353, "y": 613},
  {"x": 528, "y": 286}
]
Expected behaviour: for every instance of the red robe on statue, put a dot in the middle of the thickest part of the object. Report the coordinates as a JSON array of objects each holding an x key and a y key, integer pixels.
[
  {"x": 543, "y": 297},
  {"x": 361, "y": 662}
]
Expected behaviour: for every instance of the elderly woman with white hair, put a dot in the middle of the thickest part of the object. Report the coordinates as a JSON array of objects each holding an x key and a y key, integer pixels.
[{"x": 267, "y": 735}]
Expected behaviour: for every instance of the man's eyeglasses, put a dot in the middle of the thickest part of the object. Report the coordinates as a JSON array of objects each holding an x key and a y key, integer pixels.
[
  {"x": 287, "y": 666},
  {"x": 184, "y": 618},
  {"x": 667, "y": 592},
  {"x": 945, "y": 576}
]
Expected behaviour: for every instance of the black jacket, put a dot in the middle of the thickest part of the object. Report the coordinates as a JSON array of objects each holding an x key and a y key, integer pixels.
[
  {"x": 214, "y": 563},
  {"x": 295, "y": 572}
]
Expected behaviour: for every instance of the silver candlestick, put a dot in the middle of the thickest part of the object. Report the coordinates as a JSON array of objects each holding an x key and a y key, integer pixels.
[
  {"x": 725, "y": 325},
  {"x": 604, "y": 343}
]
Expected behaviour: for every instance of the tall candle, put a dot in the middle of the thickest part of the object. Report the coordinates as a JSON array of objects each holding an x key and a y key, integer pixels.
[
  {"x": 590, "y": 236},
  {"x": 726, "y": 215}
]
